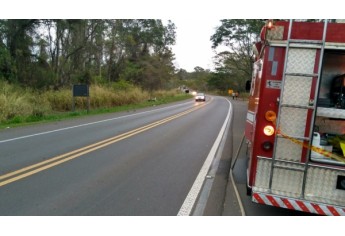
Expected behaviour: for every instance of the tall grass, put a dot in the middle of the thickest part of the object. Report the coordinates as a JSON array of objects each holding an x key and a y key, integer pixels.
[
  {"x": 21, "y": 105},
  {"x": 14, "y": 101}
]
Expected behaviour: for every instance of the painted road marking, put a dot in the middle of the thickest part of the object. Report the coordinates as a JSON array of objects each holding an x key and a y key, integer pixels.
[
  {"x": 44, "y": 165},
  {"x": 87, "y": 124},
  {"x": 188, "y": 204}
]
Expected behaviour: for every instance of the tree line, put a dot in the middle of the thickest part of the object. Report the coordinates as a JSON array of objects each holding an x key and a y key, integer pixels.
[{"x": 53, "y": 53}]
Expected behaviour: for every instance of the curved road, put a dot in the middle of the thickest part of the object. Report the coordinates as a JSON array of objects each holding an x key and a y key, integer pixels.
[{"x": 145, "y": 162}]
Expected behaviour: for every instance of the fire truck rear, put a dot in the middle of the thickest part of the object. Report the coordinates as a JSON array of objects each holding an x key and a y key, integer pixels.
[{"x": 295, "y": 126}]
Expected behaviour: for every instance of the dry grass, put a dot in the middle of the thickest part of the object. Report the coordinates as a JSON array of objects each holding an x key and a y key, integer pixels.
[{"x": 18, "y": 102}]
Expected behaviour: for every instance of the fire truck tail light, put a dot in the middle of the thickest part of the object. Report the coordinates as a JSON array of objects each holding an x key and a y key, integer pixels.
[
  {"x": 269, "y": 130},
  {"x": 271, "y": 116}
]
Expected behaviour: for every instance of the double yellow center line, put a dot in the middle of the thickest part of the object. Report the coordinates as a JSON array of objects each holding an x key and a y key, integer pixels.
[{"x": 33, "y": 169}]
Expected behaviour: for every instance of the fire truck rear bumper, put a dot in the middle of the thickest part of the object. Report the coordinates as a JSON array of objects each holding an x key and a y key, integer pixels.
[{"x": 297, "y": 204}]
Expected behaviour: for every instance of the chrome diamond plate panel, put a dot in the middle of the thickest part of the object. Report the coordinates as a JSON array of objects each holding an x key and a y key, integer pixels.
[
  {"x": 287, "y": 182},
  {"x": 287, "y": 150},
  {"x": 297, "y": 90},
  {"x": 301, "y": 61},
  {"x": 331, "y": 112},
  {"x": 275, "y": 33},
  {"x": 293, "y": 121},
  {"x": 263, "y": 175},
  {"x": 321, "y": 186}
]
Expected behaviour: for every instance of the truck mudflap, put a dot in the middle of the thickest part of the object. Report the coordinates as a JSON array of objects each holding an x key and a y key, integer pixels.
[{"x": 297, "y": 204}]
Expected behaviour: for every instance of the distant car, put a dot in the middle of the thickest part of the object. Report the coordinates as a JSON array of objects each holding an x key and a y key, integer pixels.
[{"x": 200, "y": 97}]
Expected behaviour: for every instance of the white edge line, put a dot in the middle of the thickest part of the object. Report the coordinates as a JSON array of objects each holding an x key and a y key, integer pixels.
[
  {"x": 189, "y": 202},
  {"x": 237, "y": 194},
  {"x": 236, "y": 191},
  {"x": 92, "y": 123}
]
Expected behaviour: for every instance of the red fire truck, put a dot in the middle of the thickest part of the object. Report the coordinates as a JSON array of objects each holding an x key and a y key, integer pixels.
[{"x": 295, "y": 123}]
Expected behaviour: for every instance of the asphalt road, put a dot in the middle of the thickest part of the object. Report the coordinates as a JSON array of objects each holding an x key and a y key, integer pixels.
[
  {"x": 159, "y": 161},
  {"x": 145, "y": 162}
]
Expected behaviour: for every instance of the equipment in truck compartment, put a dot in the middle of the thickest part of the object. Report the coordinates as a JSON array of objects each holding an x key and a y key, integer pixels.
[{"x": 338, "y": 91}]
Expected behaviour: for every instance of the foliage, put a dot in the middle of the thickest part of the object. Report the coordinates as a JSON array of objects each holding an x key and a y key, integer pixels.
[
  {"x": 7, "y": 67},
  {"x": 237, "y": 33},
  {"x": 235, "y": 64},
  {"x": 200, "y": 77},
  {"x": 53, "y": 53},
  {"x": 196, "y": 80},
  {"x": 220, "y": 81}
]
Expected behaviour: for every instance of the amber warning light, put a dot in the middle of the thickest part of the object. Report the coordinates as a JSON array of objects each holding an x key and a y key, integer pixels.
[
  {"x": 271, "y": 116},
  {"x": 270, "y": 24}
]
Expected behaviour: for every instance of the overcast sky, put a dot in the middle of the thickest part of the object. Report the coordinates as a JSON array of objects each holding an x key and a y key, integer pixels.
[{"x": 193, "y": 46}]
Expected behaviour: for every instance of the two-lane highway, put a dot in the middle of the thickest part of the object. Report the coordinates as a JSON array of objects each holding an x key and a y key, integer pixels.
[{"x": 141, "y": 162}]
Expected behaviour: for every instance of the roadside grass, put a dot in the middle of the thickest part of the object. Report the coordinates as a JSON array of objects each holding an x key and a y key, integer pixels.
[
  {"x": 21, "y": 107},
  {"x": 59, "y": 116}
]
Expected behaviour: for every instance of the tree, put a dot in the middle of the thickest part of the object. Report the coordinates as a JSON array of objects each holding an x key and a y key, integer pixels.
[
  {"x": 59, "y": 52},
  {"x": 145, "y": 51},
  {"x": 182, "y": 74},
  {"x": 239, "y": 35},
  {"x": 17, "y": 40},
  {"x": 220, "y": 81},
  {"x": 7, "y": 66},
  {"x": 200, "y": 76}
]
